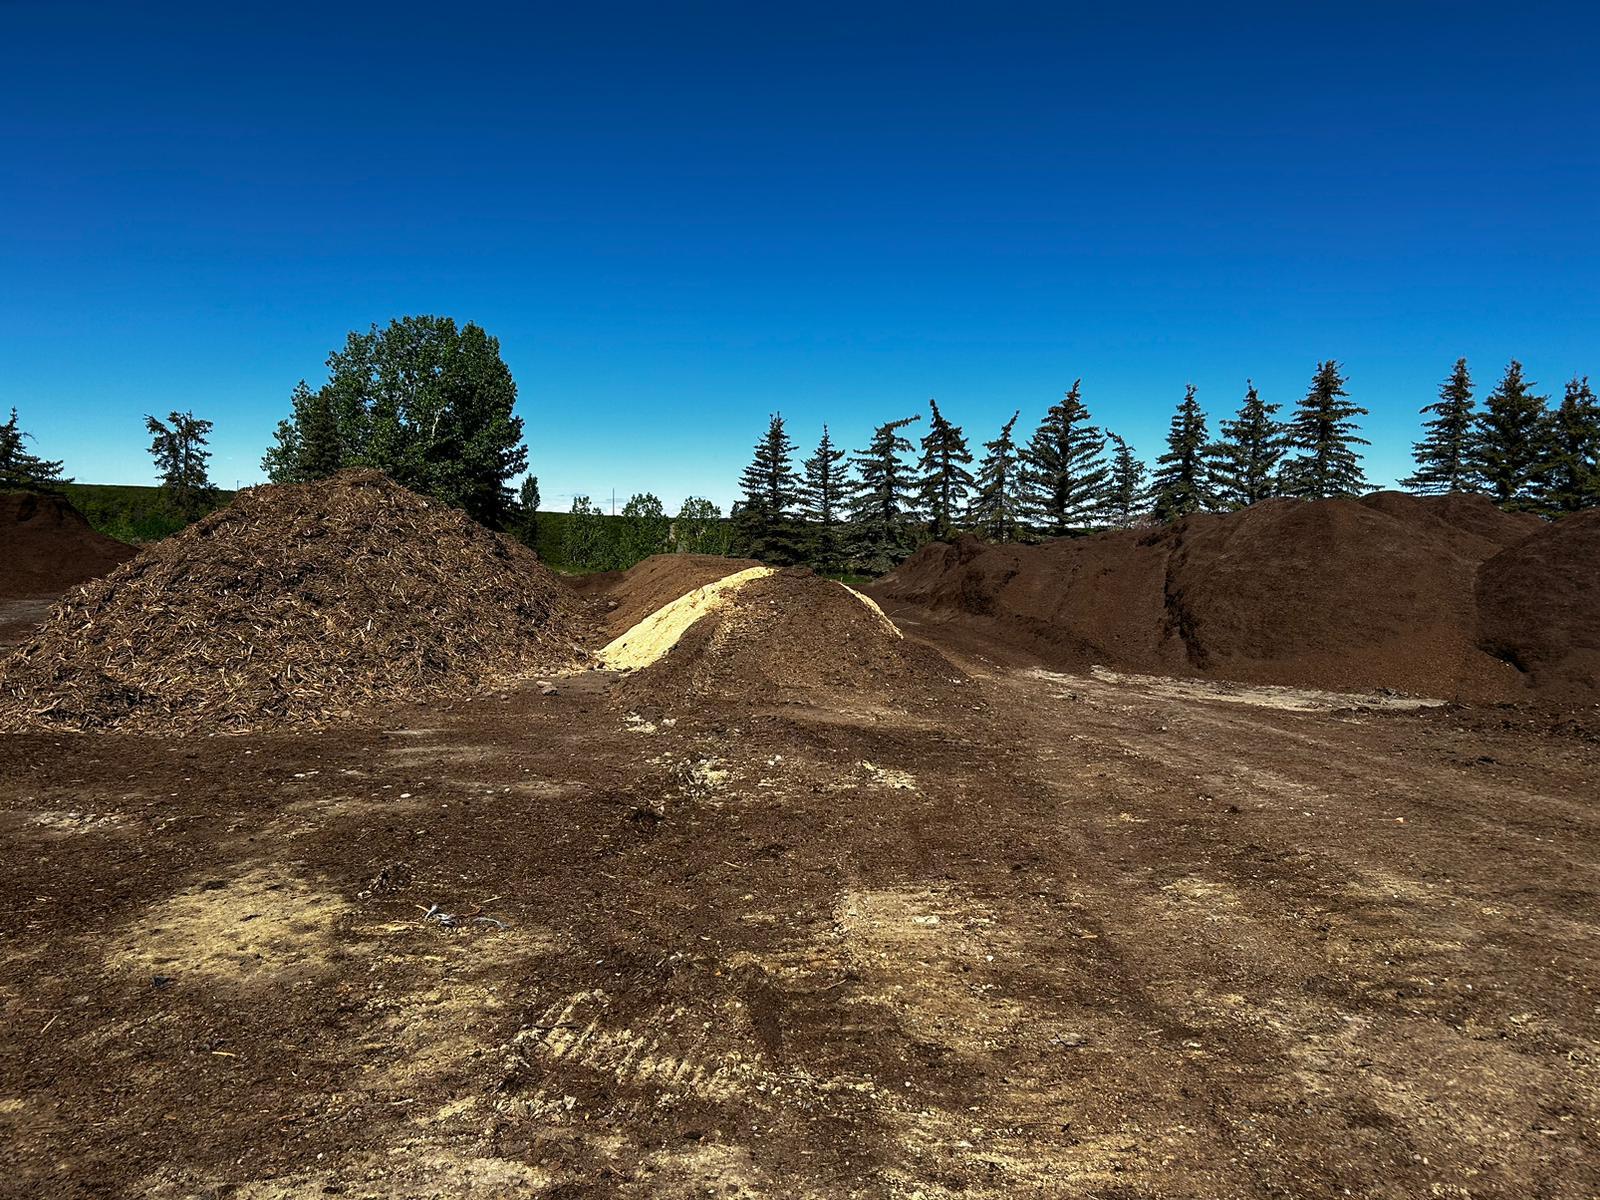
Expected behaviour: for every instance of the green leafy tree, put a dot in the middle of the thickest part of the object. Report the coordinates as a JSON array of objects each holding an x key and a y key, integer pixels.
[
  {"x": 179, "y": 447},
  {"x": 1066, "y": 467},
  {"x": 822, "y": 501},
  {"x": 426, "y": 402},
  {"x": 20, "y": 468},
  {"x": 1126, "y": 490},
  {"x": 1000, "y": 501},
  {"x": 1510, "y": 449},
  {"x": 528, "y": 510},
  {"x": 1182, "y": 481},
  {"x": 1323, "y": 433},
  {"x": 586, "y": 544},
  {"x": 766, "y": 524},
  {"x": 945, "y": 480},
  {"x": 699, "y": 528},
  {"x": 881, "y": 505},
  {"x": 1570, "y": 477},
  {"x": 1445, "y": 454},
  {"x": 1245, "y": 466},
  {"x": 643, "y": 529}
]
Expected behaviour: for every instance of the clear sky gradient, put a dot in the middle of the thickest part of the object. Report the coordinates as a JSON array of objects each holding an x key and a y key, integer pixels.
[{"x": 679, "y": 218}]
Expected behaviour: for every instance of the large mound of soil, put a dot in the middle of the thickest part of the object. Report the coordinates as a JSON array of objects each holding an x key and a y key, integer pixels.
[
  {"x": 46, "y": 546},
  {"x": 1539, "y": 607},
  {"x": 1336, "y": 594},
  {"x": 794, "y": 637},
  {"x": 627, "y": 597},
  {"x": 294, "y": 605}
]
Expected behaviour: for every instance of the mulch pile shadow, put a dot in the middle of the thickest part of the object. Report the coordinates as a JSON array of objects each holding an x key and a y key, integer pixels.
[{"x": 295, "y": 605}]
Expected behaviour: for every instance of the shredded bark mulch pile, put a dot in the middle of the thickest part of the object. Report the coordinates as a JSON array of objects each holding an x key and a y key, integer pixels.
[{"x": 294, "y": 605}]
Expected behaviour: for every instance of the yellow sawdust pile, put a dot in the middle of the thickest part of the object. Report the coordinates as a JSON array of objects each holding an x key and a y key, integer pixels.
[{"x": 659, "y": 632}]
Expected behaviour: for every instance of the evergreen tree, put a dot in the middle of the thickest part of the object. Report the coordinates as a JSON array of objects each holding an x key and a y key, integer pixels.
[
  {"x": 1510, "y": 446},
  {"x": 1323, "y": 431},
  {"x": 1126, "y": 492},
  {"x": 1000, "y": 502},
  {"x": 426, "y": 402},
  {"x": 1444, "y": 455},
  {"x": 1182, "y": 481},
  {"x": 822, "y": 499},
  {"x": 179, "y": 448},
  {"x": 20, "y": 468},
  {"x": 1570, "y": 478},
  {"x": 1066, "y": 467},
  {"x": 642, "y": 530},
  {"x": 766, "y": 524},
  {"x": 699, "y": 528},
  {"x": 1246, "y": 460},
  {"x": 881, "y": 500},
  {"x": 945, "y": 481}
]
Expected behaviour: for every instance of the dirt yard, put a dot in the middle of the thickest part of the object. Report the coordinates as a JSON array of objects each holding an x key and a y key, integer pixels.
[{"x": 1088, "y": 935}]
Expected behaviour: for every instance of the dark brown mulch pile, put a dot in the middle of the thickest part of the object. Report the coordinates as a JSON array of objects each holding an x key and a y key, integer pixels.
[
  {"x": 627, "y": 597},
  {"x": 46, "y": 546},
  {"x": 294, "y": 605},
  {"x": 794, "y": 637}
]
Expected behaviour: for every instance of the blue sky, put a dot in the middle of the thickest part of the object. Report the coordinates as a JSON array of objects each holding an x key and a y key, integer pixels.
[{"x": 679, "y": 218}]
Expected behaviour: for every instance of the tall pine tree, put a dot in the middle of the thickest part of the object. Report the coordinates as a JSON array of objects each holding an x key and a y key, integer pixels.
[
  {"x": 1323, "y": 431},
  {"x": 881, "y": 500},
  {"x": 1182, "y": 481},
  {"x": 1510, "y": 446},
  {"x": 999, "y": 503},
  {"x": 822, "y": 489},
  {"x": 1445, "y": 453},
  {"x": 19, "y": 468},
  {"x": 1570, "y": 477},
  {"x": 1247, "y": 457},
  {"x": 945, "y": 480},
  {"x": 1066, "y": 467},
  {"x": 1126, "y": 486},
  {"x": 766, "y": 526}
]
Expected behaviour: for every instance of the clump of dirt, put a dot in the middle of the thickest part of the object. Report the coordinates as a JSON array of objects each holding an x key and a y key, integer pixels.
[
  {"x": 1539, "y": 607},
  {"x": 46, "y": 546},
  {"x": 295, "y": 604},
  {"x": 624, "y": 598},
  {"x": 1342, "y": 595},
  {"x": 792, "y": 637}
]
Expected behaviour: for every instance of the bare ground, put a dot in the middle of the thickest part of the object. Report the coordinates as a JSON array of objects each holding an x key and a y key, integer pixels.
[{"x": 1093, "y": 935}]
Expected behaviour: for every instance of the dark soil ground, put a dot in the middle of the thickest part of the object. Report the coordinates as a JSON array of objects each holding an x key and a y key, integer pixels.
[{"x": 1108, "y": 936}]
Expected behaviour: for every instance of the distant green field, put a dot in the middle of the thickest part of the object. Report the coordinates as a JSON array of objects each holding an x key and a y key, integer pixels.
[{"x": 129, "y": 512}]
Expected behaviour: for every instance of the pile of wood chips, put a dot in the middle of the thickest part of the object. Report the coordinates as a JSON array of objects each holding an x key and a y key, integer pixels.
[{"x": 298, "y": 604}]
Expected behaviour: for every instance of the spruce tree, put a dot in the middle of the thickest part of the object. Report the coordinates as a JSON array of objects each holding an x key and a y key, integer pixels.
[
  {"x": 19, "y": 468},
  {"x": 1126, "y": 492},
  {"x": 1066, "y": 467},
  {"x": 766, "y": 526},
  {"x": 881, "y": 500},
  {"x": 1182, "y": 481},
  {"x": 179, "y": 447},
  {"x": 1570, "y": 477},
  {"x": 946, "y": 481},
  {"x": 1323, "y": 431},
  {"x": 1246, "y": 459},
  {"x": 1000, "y": 502},
  {"x": 822, "y": 495},
  {"x": 1510, "y": 446},
  {"x": 1445, "y": 453}
]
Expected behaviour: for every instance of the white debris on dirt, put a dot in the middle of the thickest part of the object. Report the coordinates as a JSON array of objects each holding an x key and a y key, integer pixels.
[
  {"x": 1258, "y": 695},
  {"x": 652, "y": 637},
  {"x": 890, "y": 777}
]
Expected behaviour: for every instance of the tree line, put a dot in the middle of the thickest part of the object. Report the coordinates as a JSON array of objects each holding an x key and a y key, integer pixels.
[{"x": 866, "y": 511}]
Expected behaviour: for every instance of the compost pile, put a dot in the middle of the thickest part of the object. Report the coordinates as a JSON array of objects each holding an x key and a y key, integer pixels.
[
  {"x": 792, "y": 637},
  {"x": 46, "y": 546},
  {"x": 294, "y": 605},
  {"x": 627, "y": 597},
  {"x": 1539, "y": 608},
  {"x": 1339, "y": 594}
]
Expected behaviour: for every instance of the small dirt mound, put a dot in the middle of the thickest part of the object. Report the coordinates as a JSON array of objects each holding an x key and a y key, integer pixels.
[
  {"x": 624, "y": 598},
  {"x": 1539, "y": 608},
  {"x": 1341, "y": 595},
  {"x": 294, "y": 605},
  {"x": 792, "y": 637},
  {"x": 46, "y": 546}
]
